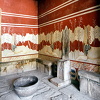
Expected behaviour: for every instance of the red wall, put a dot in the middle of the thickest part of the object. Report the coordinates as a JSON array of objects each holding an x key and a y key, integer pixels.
[
  {"x": 72, "y": 14},
  {"x": 26, "y": 7},
  {"x": 87, "y": 19},
  {"x": 19, "y": 17}
]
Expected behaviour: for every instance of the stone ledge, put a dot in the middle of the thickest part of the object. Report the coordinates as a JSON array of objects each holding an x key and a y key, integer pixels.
[
  {"x": 20, "y": 57},
  {"x": 90, "y": 75},
  {"x": 60, "y": 83},
  {"x": 44, "y": 62},
  {"x": 90, "y": 84},
  {"x": 44, "y": 65}
]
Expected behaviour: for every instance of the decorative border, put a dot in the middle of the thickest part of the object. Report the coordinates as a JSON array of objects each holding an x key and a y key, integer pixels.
[
  {"x": 47, "y": 57},
  {"x": 19, "y": 25},
  {"x": 18, "y": 15},
  {"x": 20, "y": 57},
  {"x": 58, "y": 7},
  {"x": 84, "y": 62},
  {"x": 82, "y": 12},
  {"x": 21, "y": 16}
]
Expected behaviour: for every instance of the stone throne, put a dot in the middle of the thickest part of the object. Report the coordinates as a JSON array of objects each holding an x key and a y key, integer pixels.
[{"x": 63, "y": 65}]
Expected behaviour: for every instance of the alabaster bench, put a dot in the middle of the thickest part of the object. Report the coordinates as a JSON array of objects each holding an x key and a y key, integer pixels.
[
  {"x": 90, "y": 84},
  {"x": 44, "y": 66}
]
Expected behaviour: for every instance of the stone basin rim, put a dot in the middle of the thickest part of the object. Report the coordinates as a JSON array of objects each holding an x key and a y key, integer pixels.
[{"x": 25, "y": 86}]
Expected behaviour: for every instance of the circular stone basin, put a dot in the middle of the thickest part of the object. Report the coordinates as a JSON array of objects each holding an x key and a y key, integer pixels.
[{"x": 26, "y": 86}]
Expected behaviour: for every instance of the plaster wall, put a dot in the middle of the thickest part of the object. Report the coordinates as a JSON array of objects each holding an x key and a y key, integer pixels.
[
  {"x": 19, "y": 29},
  {"x": 19, "y": 36},
  {"x": 65, "y": 28},
  {"x": 79, "y": 21}
]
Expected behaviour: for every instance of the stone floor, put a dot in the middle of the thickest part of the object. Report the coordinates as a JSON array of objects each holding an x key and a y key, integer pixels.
[{"x": 45, "y": 91}]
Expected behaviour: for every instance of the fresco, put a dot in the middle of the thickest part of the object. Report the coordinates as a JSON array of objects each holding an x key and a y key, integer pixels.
[
  {"x": 82, "y": 37},
  {"x": 81, "y": 44},
  {"x": 75, "y": 66},
  {"x": 17, "y": 44},
  {"x": 50, "y": 43},
  {"x": 19, "y": 30}
]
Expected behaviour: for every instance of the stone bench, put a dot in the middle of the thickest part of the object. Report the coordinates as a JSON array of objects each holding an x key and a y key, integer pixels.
[
  {"x": 44, "y": 66},
  {"x": 90, "y": 84}
]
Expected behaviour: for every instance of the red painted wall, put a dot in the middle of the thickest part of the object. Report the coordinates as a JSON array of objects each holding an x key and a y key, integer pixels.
[
  {"x": 70, "y": 9},
  {"x": 56, "y": 14},
  {"x": 26, "y": 7},
  {"x": 91, "y": 18},
  {"x": 19, "y": 17}
]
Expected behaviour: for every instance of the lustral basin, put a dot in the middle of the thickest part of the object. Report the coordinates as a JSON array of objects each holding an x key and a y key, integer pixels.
[{"x": 26, "y": 85}]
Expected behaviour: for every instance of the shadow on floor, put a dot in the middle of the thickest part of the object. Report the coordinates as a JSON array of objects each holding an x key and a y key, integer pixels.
[{"x": 76, "y": 83}]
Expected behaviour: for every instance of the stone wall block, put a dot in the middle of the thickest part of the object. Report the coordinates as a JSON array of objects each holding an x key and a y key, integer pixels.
[
  {"x": 40, "y": 67},
  {"x": 94, "y": 76},
  {"x": 20, "y": 66},
  {"x": 84, "y": 85},
  {"x": 90, "y": 84},
  {"x": 29, "y": 65},
  {"x": 90, "y": 75},
  {"x": 33, "y": 65},
  {"x": 8, "y": 68},
  {"x": 44, "y": 66},
  {"x": 94, "y": 89},
  {"x": 3, "y": 71},
  {"x": 46, "y": 70},
  {"x": 11, "y": 69}
]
